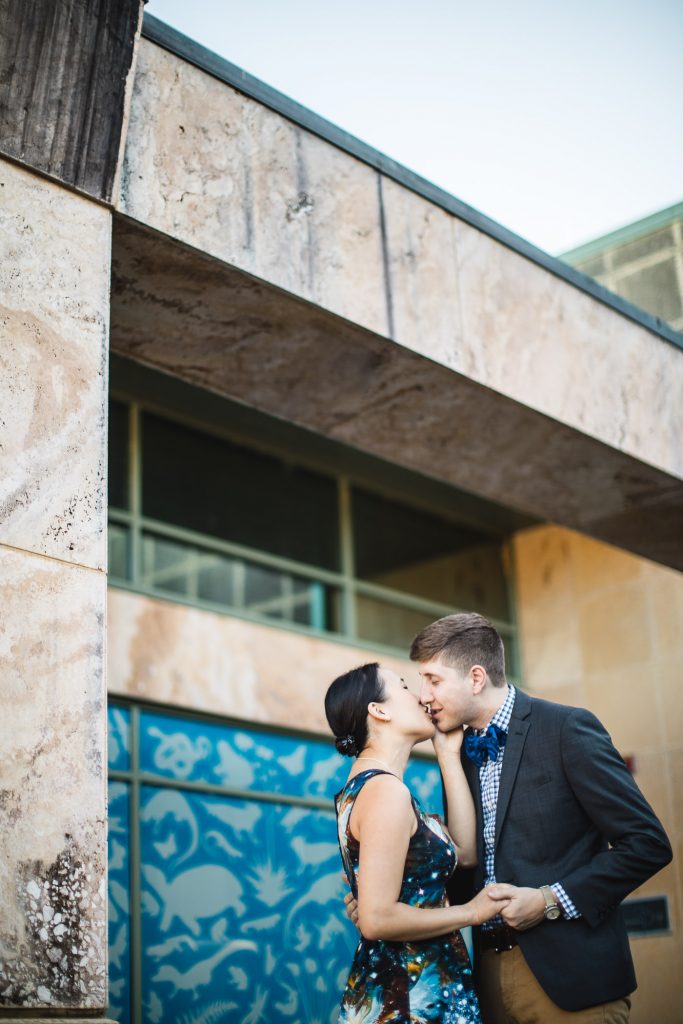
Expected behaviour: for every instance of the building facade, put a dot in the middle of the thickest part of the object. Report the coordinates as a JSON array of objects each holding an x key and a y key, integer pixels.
[
  {"x": 271, "y": 403},
  {"x": 642, "y": 261}
]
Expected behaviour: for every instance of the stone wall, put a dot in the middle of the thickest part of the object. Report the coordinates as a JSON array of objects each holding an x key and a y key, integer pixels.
[
  {"x": 54, "y": 312},
  {"x": 208, "y": 662},
  {"x": 603, "y": 629}
]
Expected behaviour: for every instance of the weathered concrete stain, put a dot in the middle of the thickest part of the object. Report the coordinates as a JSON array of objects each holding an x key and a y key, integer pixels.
[
  {"x": 52, "y": 784},
  {"x": 58, "y": 961}
]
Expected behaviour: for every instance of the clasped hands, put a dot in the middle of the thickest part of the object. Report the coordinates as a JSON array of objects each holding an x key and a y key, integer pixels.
[
  {"x": 524, "y": 906},
  {"x": 519, "y": 906}
]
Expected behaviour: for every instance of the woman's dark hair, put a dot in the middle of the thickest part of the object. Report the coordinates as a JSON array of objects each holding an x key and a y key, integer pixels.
[{"x": 346, "y": 706}]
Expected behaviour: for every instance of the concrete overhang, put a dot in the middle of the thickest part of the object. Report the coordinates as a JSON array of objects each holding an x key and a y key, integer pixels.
[
  {"x": 197, "y": 318},
  {"x": 263, "y": 254}
]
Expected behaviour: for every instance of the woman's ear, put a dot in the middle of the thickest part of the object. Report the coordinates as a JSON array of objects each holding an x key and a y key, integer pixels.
[{"x": 379, "y": 712}]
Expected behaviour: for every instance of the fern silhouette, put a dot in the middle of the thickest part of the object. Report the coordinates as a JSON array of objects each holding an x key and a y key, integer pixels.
[{"x": 214, "y": 1013}]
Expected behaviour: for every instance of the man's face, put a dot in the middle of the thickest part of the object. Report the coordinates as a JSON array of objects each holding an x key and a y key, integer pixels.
[{"x": 449, "y": 693}]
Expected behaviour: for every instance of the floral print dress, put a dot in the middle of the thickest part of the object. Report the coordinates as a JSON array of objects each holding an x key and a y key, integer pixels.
[{"x": 422, "y": 982}]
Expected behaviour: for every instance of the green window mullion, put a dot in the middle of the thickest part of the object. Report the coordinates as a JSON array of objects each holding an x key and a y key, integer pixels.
[
  {"x": 349, "y": 624},
  {"x": 135, "y": 490},
  {"x": 317, "y": 599}
]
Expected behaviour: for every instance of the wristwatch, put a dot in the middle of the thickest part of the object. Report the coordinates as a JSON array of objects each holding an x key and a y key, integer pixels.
[{"x": 552, "y": 907}]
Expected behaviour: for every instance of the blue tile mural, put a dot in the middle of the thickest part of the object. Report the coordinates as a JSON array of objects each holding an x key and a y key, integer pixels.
[
  {"x": 241, "y": 899},
  {"x": 119, "y": 901},
  {"x": 118, "y": 739}
]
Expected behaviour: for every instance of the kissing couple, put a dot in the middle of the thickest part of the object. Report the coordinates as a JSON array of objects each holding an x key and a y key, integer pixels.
[{"x": 545, "y": 834}]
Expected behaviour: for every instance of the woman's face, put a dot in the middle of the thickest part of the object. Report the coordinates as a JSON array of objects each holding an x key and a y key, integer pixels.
[{"x": 408, "y": 716}]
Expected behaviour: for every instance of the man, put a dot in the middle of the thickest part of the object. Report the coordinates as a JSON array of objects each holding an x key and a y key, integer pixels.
[{"x": 562, "y": 827}]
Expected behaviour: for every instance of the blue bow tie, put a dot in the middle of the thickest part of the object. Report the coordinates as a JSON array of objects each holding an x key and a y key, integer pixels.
[{"x": 479, "y": 748}]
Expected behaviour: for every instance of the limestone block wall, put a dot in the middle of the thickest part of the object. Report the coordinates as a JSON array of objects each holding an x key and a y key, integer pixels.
[
  {"x": 194, "y": 659},
  {"x": 54, "y": 311},
  {"x": 603, "y": 629},
  {"x": 221, "y": 172}
]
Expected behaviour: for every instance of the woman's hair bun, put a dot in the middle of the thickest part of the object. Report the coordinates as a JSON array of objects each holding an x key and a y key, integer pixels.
[
  {"x": 346, "y": 745},
  {"x": 346, "y": 707}
]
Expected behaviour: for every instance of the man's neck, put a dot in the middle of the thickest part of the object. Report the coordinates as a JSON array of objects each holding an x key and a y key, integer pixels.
[{"x": 493, "y": 702}]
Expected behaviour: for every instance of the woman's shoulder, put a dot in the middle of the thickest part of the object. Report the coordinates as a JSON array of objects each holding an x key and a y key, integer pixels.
[
  {"x": 382, "y": 801},
  {"x": 385, "y": 785}
]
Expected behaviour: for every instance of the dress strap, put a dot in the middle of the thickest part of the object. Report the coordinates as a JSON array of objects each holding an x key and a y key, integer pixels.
[{"x": 363, "y": 776}]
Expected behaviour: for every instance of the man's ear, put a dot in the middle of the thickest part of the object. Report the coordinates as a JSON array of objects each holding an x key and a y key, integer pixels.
[{"x": 478, "y": 677}]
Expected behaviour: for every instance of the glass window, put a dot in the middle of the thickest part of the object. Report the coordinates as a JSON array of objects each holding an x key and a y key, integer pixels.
[
  {"x": 417, "y": 553},
  {"x": 118, "y": 455},
  {"x": 179, "y": 568},
  {"x": 118, "y": 540},
  {"x": 384, "y": 623},
  {"x": 214, "y": 488},
  {"x": 202, "y": 483}
]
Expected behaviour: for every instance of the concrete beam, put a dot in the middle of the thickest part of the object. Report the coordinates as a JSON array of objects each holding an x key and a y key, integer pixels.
[
  {"x": 203, "y": 321},
  {"x": 223, "y": 173}
]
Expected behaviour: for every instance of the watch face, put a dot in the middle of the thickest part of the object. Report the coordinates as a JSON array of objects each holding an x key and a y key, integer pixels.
[{"x": 552, "y": 913}]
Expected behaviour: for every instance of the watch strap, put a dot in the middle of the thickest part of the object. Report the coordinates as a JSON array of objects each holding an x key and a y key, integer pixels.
[{"x": 551, "y": 901}]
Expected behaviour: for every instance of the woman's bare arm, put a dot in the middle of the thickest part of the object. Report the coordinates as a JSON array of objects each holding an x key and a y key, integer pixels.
[
  {"x": 462, "y": 818},
  {"x": 382, "y": 820}
]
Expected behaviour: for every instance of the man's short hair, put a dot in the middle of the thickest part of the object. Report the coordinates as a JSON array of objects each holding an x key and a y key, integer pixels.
[{"x": 462, "y": 641}]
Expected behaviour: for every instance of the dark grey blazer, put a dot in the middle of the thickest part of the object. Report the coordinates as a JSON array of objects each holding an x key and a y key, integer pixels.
[{"x": 570, "y": 812}]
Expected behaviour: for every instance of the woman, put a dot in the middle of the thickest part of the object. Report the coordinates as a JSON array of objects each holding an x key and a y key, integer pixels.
[{"x": 411, "y": 964}]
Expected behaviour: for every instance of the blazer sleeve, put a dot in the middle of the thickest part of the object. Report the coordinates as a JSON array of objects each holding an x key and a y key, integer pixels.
[{"x": 603, "y": 785}]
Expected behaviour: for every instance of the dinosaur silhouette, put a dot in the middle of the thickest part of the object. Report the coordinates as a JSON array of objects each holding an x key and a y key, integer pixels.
[
  {"x": 201, "y": 973},
  {"x": 200, "y": 892}
]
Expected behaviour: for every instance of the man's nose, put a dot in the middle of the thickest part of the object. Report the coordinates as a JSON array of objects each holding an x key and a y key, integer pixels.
[{"x": 425, "y": 694}]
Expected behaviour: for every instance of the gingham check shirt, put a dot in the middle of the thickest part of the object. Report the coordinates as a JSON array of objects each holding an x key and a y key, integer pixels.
[{"x": 489, "y": 780}]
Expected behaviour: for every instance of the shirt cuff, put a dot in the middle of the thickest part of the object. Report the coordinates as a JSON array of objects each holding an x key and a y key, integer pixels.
[{"x": 568, "y": 909}]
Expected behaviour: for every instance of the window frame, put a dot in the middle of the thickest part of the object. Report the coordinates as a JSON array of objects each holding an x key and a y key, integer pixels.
[{"x": 344, "y": 582}]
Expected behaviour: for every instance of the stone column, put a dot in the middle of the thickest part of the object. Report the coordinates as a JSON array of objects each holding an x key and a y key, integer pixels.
[{"x": 54, "y": 313}]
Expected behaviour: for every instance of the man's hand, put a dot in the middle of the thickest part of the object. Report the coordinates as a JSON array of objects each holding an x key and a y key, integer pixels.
[
  {"x": 525, "y": 908},
  {"x": 351, "y": 903},
  {"x": 351, "y": 908}
]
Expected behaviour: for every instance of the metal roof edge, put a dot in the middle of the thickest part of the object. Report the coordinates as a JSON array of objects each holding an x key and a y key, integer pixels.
[{"x": 157, "y": 31}]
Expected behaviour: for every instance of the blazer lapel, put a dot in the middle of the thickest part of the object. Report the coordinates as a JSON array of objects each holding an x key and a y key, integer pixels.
[{"x": 519, "y": 726}]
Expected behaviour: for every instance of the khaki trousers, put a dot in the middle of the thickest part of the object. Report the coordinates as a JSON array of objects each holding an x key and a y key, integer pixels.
[{"x": 509, "y": 994}]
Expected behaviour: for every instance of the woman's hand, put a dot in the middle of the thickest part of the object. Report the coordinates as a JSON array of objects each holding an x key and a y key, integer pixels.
[
  {"x": 484, "y": 906},
  {"x": 447, "y": 744},
  {"x": 525, "y": 906}
]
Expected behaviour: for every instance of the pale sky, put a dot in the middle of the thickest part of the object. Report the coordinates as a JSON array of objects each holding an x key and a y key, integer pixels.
[{"x": 561, "y": 119}]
